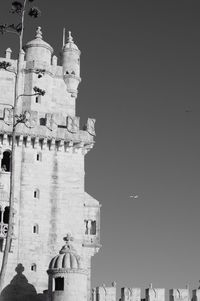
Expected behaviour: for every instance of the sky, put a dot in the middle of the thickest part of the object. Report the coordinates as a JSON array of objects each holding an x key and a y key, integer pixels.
[{"x": 140, "y": 69}]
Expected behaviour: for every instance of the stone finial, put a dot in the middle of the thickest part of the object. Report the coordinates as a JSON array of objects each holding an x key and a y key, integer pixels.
[
  {"x": 70, "y": 39},
  {"x": 150, "y": 285},
  {"x": 68, "y": 246},
  {"x": 38, "y": 33},
  {"x": 8, "y": 53},
  {"x": 114, "y": 284},
  {"x": 68, "y": 238}
]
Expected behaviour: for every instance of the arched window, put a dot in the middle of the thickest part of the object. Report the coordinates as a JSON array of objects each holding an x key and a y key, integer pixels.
[
  {"x": 35, "y": 228},
  {"x": 33, "y": 267},
  {"x": 5, "y": 162},
  {"x": 36, "y": 194},
  {"x": 59, "y": 284},
  {"x": 6, "y": 215}
]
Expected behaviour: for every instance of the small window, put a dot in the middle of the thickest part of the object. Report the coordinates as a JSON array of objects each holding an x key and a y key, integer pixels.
[
  {"x": 93, "y": 228},
  {"x": 36, "y": 194},
  {"x": 38, "y": 157},
  {"x": 73, "y": 72},
  {"x": 36, "y": 229},
  {"x": 33, "y": 267},
  {"x": 38, "y": 99},
  {"x": 59, "y": 284}
]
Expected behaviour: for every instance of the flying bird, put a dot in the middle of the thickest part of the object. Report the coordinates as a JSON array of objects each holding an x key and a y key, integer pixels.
[{"x": 134, "y": 196}]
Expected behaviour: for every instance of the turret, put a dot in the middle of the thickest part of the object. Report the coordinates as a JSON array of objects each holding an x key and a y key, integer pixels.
[
  {"x": 71, "y": 66},
  {"x": 67, "y": 278},
  {"x": 38, "y": 50}
]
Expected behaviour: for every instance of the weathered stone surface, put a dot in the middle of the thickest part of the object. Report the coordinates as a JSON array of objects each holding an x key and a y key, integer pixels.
[{"x": 50, "y": 198}]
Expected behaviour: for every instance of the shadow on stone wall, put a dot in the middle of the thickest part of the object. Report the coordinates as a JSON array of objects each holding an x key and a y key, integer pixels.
[{"x": 19, "y": 289}]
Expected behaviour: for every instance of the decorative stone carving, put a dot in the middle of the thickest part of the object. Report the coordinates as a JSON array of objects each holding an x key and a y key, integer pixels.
[
  {"x": 31, "y": 118},
  {"x": 8, "y": 116},
  {"x": 90, "y": 126},
  {"x": 50, "y": 122},
  {"x": 73, "y": 124}
]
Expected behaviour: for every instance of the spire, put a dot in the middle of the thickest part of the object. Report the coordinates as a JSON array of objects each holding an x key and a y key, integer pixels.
[{"x": 38, "y": 33}]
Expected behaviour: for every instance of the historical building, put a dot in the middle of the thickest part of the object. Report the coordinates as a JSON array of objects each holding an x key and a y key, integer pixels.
[
  {"x": 50, "y": 202},
  {"x": 50, "y": 197}
]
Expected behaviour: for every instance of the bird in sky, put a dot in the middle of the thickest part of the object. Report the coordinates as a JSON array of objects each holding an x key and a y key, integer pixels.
[{"x": 134, "y": 196}]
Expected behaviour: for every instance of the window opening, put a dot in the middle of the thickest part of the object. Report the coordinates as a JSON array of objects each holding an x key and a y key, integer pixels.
[
  {"x": 36, "y": 194},
  {"x": 5, "y": 162},
  {"x": 33, "y": 267},
  {"x": 1, "y": 214},
  {"x": 38, "y": 99},
  {"x": 59, "y": 284},
  {"x": 90, "y": 227},
  {"x": 36, "y": 229},
  {"x": 6, "y": 215},
  {"x": 93, "y": 228},
  {"x": 2, "y": 244},
  {"x": 39, "y": 157}
]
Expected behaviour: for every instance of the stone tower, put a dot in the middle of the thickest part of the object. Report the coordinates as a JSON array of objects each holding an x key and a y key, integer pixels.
[{"x": 50, "y": 197}]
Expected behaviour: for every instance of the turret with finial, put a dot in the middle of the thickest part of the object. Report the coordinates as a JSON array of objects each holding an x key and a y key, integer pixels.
[
  {"x": 38, "y": 49},
  {"x": 71, "y": 65}
]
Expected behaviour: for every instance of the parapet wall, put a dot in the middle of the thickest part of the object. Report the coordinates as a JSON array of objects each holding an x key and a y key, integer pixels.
[{"x": 103, "y": 293}]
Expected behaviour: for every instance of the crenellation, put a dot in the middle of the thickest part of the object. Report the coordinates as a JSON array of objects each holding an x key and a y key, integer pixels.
[
  {"x": 179, "y": 294},
  {"x": 196, "y": 295},
  {"x": 155, "y": 294},
  {"x": 8, "y": 53},
  {"x": 104, "y": 293},
  {"x": 130, "y": 294}
]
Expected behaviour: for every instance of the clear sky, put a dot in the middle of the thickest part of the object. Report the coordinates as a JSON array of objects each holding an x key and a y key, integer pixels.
[{"x": 140, "y": 69}]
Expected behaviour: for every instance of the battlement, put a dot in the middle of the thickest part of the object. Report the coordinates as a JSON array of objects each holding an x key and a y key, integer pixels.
[
  {"x": 103, "y": 293},
  {"x": 49, "y": 130}
]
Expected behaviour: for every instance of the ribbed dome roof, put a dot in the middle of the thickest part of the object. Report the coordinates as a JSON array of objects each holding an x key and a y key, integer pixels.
[
  {"x": 38, "y": 41},
  {"x": 67, "y": 258},
  {"x": 70, "y": 43}
]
